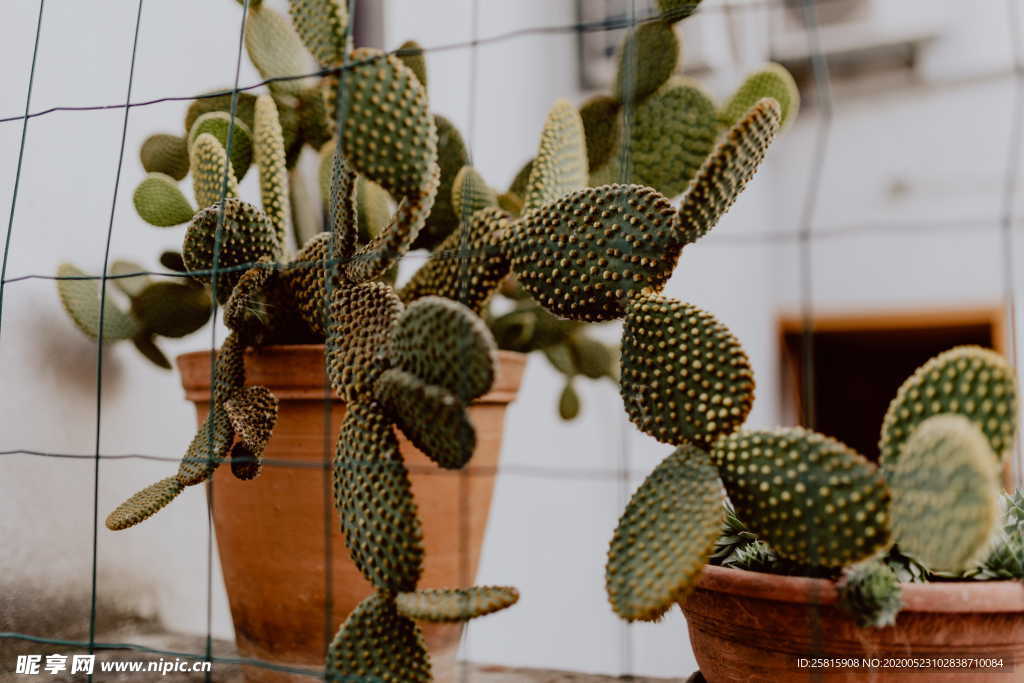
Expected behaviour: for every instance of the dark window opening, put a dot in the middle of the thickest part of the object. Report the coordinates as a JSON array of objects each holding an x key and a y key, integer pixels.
[{"x": 859, "y": 362}]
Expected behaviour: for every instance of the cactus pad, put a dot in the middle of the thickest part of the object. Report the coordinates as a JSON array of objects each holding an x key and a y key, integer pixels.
[
  {"x": 451, "y": 157},
  {"x": 411, "y": 54},
  {"x": 131, "y": 286},
  {"x": 167, "y": 154},
  {"x": 648, "y": 57},
  {"x": 159, "y": 202},
  {"x": 672, "y": 134},
  {"x": 253, "y": 414},
  {"x": 443, "y": 343},
  {"x": 376, "y": 643},
  {"x": 665, "y": 536},
  {"x": 813, "y": 499},
  {"x": 772, "y": 80},
  {"x": 245, "y": 237},
  {"x": 374, "y": 498},
  {"x": 583, "y": 256},
  {"x": 247, "y": 311},
  {"x": 394, "y": 146},
  {"x": 471, "y": 193},
  {"x": 219, "y": 125},
  {"x": 560, "y": 166},
  {"x": 454, "y": 605},
  {"x": 269, "y": 154},
  {"x": 361, "y": 318},
  {"x": 432, "y": 417},
  {"x": 276, "y": 50},
  {"x": 209, "y": 164},
  {"x": 966, "y": 380},
  {"x": 172, "y": 309},
  {"x": 602, "y": 127},
  {"x": 685, "y": 377},
  {"x": 676, "y": 10},
  {"x": 303, "y": 278},
  {"x": 244, "y": 106},
  {"x": 81, "y": 300},
  {"x": 945, "y": 493},
  {"x": 375, "y": 258},
  {"x": 468, "y": 266},
  {"x": 728, "y": 170},
  {"x": 323, "y": 27},
  {"x": 144, "y": 504}
]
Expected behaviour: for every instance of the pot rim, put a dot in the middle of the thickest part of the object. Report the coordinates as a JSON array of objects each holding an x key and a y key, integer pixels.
[
  {"x": 296, "y": 372},
  {"x": 940, "y": 596}
]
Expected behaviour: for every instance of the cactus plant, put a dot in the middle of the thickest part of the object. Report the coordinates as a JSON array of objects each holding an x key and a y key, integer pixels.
[{"x": 567, "y": 253}]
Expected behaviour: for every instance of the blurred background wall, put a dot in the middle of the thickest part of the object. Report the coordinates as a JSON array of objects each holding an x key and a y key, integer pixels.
[{"x": 909, "y": 202}]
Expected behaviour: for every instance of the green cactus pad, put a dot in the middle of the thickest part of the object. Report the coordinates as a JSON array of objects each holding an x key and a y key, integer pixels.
[
  {"x": 870, "y": 592},
  {"x": 159, "y": 202},
  {"x": 167, "y": 154},
  {"x": 452, "y": 156},
  {"x": 676, "y": 10},
  {"x": 673, "y": 132},
  {"x": 314, "y": 128},
  {"x": 568, "y": 402},
  {"x": 560, "y": 166},
  {"x": 218, "y": 124},
  {"x": 172, "y": 260},
  {"x": 253, "y": 414},
  {"x": 172, "y": 309},
  {"x": 269, "y": 154},
  {"x": 602, "y": 126},
  {"x": 585, "y": 255},
  {"x": 244, "y": 107},
  {"x": 771, "y": 80},
  {"x": 396, "y": 147},
  {"x": 323, "y": 27},
  {"x": 360, "y": 319},
  {"x": 443, "y": 343},
  {"x": 813, "y": 499},
  {"x": 471, "y": 193},
  {"x": 144, "y": 504},
  {"x": 245, "y": 237},
  {"x": 131, "y": 286},
  {"x": 373, "y": 209},
  {"x": 213, "y": 439},
  {"x": 518, "y": 186},
  {"x": 246, "y": 464},
  {"x": 433, "y": 418},
  {"x": 945, "y": 493},
  {"x": 81, "y": 300},
  {"x": 303, "y": 278},
  {"x": 685, "y": 377},
  {"x": 411, "y": 54},
  {"x": 726, "y": 172},
  {"x": 209, "y": 164},
  {"x": 374, "y": 498},
  {"x": 375, "y": 258},
  {"x": 276, "y": 50},
  {"x": 647, "y": 58},
  {"x": 376, "y": 643},
  {"x": 965, "y": 380},
  {"x": 665, "y": 536},
  {"x": 455, "y": 605},
  {"x": 468, "y": 266},
  {"x": 145, "y": 344}
]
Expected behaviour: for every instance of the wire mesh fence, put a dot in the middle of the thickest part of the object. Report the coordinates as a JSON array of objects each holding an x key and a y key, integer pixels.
[{"x": 802, "y": 236}]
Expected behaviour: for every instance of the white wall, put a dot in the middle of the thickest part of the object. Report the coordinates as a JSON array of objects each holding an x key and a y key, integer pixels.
[{"x": 547, "y": 535}]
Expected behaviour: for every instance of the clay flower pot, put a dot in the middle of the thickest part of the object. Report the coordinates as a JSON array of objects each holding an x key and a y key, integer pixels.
[
  {"x": 281, "y": 549},
  {"x": 749, "y": 626}
]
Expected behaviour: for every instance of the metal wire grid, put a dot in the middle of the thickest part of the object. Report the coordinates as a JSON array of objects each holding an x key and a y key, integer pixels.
[{"x": 805, "y": 234}]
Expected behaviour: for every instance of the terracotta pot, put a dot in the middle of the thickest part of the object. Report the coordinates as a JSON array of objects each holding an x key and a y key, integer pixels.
[
  {"x": 279, "y": 535},
  {"x": 748, "y": 626}
]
